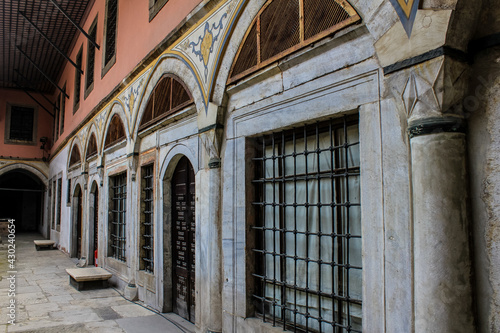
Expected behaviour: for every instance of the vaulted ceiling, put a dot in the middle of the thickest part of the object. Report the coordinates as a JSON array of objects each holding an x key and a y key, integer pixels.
[{"x": 28, "y": 60}]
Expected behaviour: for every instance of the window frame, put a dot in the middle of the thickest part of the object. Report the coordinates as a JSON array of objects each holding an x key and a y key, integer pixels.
[
  {"x": 106, "y": 66},
  {"x": 90, "y": 48},
  {"x": 78, "y": 81},
  {"x": 58, "y": 203},
  {"x": 52, "y": 196},
  {"x": 117, "y": 201},
  {"x": 68, "y": 192},
  {"x": 57, "y": 111},
  {"x": 145, "y": 190},
  {"x": 154, "y": 8},
  {"x": 260, "y": 203},
  {"x": 62, "y": 109},
  {"x": 8, "y": 120}
]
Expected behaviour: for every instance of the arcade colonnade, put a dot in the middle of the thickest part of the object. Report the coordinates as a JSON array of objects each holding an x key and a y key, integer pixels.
[{"x": 327, "y": 187}]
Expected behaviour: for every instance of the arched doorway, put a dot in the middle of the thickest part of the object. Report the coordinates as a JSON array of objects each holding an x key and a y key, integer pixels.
[
  {"x": 183, "y": 240},
  {"x": 93, "y": 224},
  {"x": 21, "y": 197},
  {"x": 76, "y": 233}
]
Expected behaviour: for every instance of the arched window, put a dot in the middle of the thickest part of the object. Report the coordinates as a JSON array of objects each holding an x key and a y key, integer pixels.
[
  {"x": 75, "y": 156},
  {"x": 285, "y": 26},
  {"x": 92, "y": 147},
  {"x": 116, "y": 132},
  {"x": 169, "y": 96}
]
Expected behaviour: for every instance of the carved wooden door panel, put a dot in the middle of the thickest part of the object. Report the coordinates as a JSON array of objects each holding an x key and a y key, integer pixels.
[{"x": 183, "y": 239}]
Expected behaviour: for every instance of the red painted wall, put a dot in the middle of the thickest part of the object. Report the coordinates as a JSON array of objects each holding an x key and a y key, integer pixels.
[
  {"x": 136, "y": 37},
  {"x": 45, "y": 123}
]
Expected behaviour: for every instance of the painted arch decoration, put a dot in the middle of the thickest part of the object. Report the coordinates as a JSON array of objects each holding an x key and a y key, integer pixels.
[
  {"x": 407, "y": 11},
  {"x": 201, "y": 48}
]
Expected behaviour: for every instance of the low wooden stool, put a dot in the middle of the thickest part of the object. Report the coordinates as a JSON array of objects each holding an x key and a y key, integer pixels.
[
  {"x": 44, "y": 244},
  {"x": 88, "y": 278}
]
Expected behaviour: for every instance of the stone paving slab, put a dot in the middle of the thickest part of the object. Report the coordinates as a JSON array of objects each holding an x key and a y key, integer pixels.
[{"x": 46, "y": 302}]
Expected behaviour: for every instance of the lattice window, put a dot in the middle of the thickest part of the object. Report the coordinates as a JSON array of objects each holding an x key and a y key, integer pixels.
[
  {"x": 92, "y": 147},
  {"x": 169, "y": 96},
  {"x": 110, "y": 42},
  {"x": 116, "y": 132},
  {"x": 78, "y": 80},
  {"x": 75, "y": 156},
  {"x": 285, "y": 26},
  {"x": 147, "y": 230},
  {"x": 89, "y": 78},
  {"x": 21, "y": 123},
  {"x": 308, "y": 228},
  {"x": 117, "y": 217}
]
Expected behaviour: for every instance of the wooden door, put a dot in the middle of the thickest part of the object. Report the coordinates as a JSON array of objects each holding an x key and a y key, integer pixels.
[{"x": 183, "y": 240}]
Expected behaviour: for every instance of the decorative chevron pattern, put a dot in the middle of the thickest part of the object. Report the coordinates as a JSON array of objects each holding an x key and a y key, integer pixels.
[{"x": 407, "y": 10}]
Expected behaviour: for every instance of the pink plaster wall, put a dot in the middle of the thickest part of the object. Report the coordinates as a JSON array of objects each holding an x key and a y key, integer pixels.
[
  {"x": 136, "y": 37},
  {"x": 45, "y": 123}
]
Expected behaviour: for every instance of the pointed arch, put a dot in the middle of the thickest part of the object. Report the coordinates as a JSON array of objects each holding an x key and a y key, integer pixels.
[
  {"x": 91, "y": 146},
  {"x": 282, "y": 27},
  {"x": 75, "y": 158},
  {"x": 168, "y": 96},
  {"x": 115, "y": 132},
  {"x": 167, "y": 65},
  {"x": 116, "y": 128},
  {"x": 91, "y": 143}
]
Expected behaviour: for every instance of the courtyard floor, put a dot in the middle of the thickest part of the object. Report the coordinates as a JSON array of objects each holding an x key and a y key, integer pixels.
[{"x": 46, "y": 302}]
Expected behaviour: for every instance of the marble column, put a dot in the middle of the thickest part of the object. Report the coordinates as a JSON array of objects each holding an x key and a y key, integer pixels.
[
  {"x": 208, "y": 236},
  {"x": 442, "y": 260}
]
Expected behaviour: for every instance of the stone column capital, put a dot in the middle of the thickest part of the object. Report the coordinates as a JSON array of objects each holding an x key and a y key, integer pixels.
[
  {"x": 431, "y": 90},
  {"x": 211, "y": 139},
  {"x": 133, "y": 163}
]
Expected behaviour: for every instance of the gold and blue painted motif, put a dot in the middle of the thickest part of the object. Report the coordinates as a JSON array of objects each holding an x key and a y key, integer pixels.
[
  {"x": 204, "y": 47},
  {"x": 407, "y": 11}
]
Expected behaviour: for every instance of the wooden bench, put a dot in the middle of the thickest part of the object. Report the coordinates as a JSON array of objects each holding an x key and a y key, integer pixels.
[
  {"x": 44, "y": 244},
  {"x": 88, "y": 278}
]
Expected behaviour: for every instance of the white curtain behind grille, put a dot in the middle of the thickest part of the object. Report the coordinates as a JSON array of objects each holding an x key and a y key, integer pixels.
[{"x": 325, "y": 219}]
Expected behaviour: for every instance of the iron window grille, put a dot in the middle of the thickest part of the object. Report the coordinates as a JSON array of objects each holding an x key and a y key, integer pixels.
[
  {"x": 147, "y": 236},
  {"x": 21, "y": 123},
  {"x": 307, "y": 229},
  {"x": 118, "y": 217}
]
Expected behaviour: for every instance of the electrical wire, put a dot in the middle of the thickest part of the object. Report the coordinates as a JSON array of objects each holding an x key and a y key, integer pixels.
[{"x": 153, "y": 310}]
